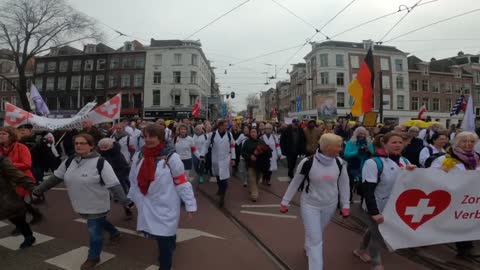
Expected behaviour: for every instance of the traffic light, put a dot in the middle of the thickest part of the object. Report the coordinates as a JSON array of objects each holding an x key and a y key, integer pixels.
[
  {"x": 227, "y": 96},
  {"x": 232, "y": 94}
]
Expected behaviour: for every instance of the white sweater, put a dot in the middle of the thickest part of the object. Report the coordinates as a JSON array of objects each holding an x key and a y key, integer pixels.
[
  {"x": 200, "y": 142},
  {"x": 185, "y": 147},
  {"x": 325, "y": 184}
]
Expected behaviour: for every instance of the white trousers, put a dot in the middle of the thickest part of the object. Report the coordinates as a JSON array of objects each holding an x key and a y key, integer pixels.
[{"x": 315, "y": 221}]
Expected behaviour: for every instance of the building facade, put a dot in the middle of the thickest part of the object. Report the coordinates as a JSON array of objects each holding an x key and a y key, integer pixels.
[
  {"x": 69, "y": 78},
  {"x": 284, "y": 99},
  {"x": 177, "y": 72},
  {"x": 298, "y": 88}
]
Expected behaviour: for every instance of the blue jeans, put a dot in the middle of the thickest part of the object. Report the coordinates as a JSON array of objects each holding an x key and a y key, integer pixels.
[
  {"x": 96, "y": 227},
  {"x": 166, "y": 248}
]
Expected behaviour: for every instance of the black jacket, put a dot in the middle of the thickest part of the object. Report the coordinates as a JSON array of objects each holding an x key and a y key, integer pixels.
[
  {"x": 412, "y": 151},
  {"x": 118, "y": 162},
  {"x": 288, "y": 146}
]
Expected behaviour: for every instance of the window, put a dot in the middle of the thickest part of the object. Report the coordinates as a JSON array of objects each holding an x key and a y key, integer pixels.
[
  {"x": 177, "y": 59},
  {"x": 156, "y": 97},
  {"x": 466, "y": 89},
  {"x": 436, "y": 105},
  {"x": 2, "y": 103},
  {"x": 40, "y": 68},
  {"x": 323, "y": 78},
  {"x": 38, "y": 84},
  {"x": 414, "y": 84},
  {"x": 436, "y": 87},
  {"x": 114, "y": 63},
  {"x": 449, "y": 104},
  {"x": 458, "y": 73},
  {"x": 340, "y": 99},
  {"x": 400, "y": 82},
  {"x": 137, "y": 101},
  {"x": 125, "y": 80},
  {"x": 87, "y": 82},
  {"x": 62, "y": 83},
  {"x": 193, "y": 99},
  {"x": 74, "y": 102},
  {"x": 425, "y": 70},
  {"x": 426, "y": 102},
  {"x": 52, "y": 103},
  {"x": 62, "y": 104},
  {"x": 50, "y": 84},
  {"x": 14, "y": 100},
  {"x": 51, "y": 66},
  {"x": 340, "y": 79},
  {"x": 127, "y": 62},
  {"x": 448, "y": 87},
  {"x": 354, "y": 61},
  {"x": 76, "y": 65},
  {"x": 324, "y": 60},
  {"x": 101, "y": 63},
  {"x": 125, "y": 101},
  {"x": 425, "y": 85},
  {"x": 400, "y": 102},
  {"x": 99, "y": 82},
  {"x": 384, "y": 64},
  {"x": 88, "y": 65},
  {"x": 158, "y": 59},
  {"x": 339, "y": 60},
  {"x": 63, "y": 66},
  {"x": 138, "y": 80},
  {"x": 477, "y": 77},
  {"x": 414, "y": 103},
  {"x": 386, "y": 82},
  {"x": 177, "y": 77},
  {"x": 176, "y": 100},
  {"x": 75, "y": 83},
  {"x": 458, "y": 88},
  {"x": 157, "y": 78},
  {"x": 195, "y": 59},
  {"x": 139, "y": 63},
  {"x": 398, "y": 65},
  {"x": 193, "y": 77},
  {"x": 112, "y": 81}
]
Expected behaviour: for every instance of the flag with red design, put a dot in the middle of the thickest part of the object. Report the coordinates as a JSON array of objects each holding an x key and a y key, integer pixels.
[
  {"x": 108, "y": 111},
  {"x": 422, "y": 111},
  {"x": 196, "y": 108},
  {"x": 15, "y": 116}
]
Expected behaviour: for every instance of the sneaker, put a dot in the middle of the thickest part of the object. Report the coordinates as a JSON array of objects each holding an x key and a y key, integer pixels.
[
  {"x": 89, "y": 264},
  {"x": 28, "y": 242},
  {"x": 201, "y": 180}
]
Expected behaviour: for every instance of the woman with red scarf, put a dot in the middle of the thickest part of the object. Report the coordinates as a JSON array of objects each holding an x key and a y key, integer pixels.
[
  {"x": 21, "y": 158},
  {"x": 157, "y": 186}
]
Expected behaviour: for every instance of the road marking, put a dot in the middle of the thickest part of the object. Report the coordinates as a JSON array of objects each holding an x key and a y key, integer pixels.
[
  {"x": 3, "y": 224},
  {"x": 13, "y": 242},
  {"x": 152, "y": 267},
  {"x": 59, "y": 188},
  {"x": 283, "y": 178},
  {"x": 73, "y": 259},
  {"x": 260, "y": 205},
  {"x": 213, "y": 180},
  {"x": 267, "y": 214},
  {"x": 182, "y": 234}
]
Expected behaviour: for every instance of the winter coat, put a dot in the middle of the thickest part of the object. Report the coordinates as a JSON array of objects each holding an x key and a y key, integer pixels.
[
  {"x": 22, "y": 160},
  {"x": 356, "y": 158},
  {"x": 289, "y": 145},
  {"x": 412, "y": 151},
  {"x": 117, "y": 160},
  {"x": 11, "y": 204},
  {"x": 312, "y": 136},
  {"x": 262, "y": 152}
]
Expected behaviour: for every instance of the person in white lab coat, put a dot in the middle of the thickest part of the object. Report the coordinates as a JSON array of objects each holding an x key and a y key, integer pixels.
[
  {"x": 126, "y": 143},
  {"x": 271, "y": 140},
  {"x": 223, "y": 157}
]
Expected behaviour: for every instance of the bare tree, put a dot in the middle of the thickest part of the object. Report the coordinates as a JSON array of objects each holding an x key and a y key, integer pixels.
[
  {"x": 252, "y": 99},
  {"x": 31, "y": 27}
]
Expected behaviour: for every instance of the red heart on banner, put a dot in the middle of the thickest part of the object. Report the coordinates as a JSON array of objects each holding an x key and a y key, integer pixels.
[
  {"x": 110, "y": 108},
  {"x": 416, "y": 208},
  {"x": 15, "y": 115}
]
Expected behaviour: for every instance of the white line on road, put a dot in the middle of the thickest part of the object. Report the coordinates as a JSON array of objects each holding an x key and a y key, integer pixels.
[
  {"x": 260, "y": 205},
  {"x": 267, "y": 214},
  {"x": 283, "y": 178},
  {"x": 3, "y": 224}
]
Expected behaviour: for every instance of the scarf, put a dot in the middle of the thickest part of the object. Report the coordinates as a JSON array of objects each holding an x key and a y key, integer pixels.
[
  {"x": 394, "y": 158},
  {"x": 146, "y": 175},
  {"x": 469, "y": 159}
]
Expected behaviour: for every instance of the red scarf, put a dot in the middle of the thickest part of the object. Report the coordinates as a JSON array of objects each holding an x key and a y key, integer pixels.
[{"x": 146, "y": 175}]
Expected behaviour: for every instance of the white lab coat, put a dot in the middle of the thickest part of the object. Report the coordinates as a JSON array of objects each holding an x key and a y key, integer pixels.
[
  {"x": 274, "y": 144},
  {"x": 159, "y": 209},
  {"x": 223, "y": 151},
  {"x": 124, "y": 147}
]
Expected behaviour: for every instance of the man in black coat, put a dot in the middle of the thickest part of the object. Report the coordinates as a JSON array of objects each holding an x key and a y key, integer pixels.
[{"x": 292, "y": 143}]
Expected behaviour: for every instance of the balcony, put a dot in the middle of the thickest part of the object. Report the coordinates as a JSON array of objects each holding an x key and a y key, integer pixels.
[{"x": 324, "y": 88}]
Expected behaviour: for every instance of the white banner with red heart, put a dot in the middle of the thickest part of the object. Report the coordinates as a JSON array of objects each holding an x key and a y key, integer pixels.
[
  {"x": 106, "y": 112},
  {"x": 430, "y": 206}
]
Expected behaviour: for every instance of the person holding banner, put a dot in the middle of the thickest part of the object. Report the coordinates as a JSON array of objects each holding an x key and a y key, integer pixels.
[
  {"x": 461, "y": 157},
  {"x": 378, "y": 175}
]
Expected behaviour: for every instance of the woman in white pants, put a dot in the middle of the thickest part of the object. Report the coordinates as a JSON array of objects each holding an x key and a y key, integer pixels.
[{"x": 320, "y": 187}]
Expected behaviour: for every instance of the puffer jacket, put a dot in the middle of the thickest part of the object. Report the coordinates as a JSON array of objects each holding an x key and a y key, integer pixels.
[{"x": 11, "y": 204}]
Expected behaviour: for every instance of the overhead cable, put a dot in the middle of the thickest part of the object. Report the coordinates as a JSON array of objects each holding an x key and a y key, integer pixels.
[{"x": 401, "y": 19}]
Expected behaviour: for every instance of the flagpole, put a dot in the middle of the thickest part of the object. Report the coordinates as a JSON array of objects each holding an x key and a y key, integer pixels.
[{"x": 380, "y": 109}]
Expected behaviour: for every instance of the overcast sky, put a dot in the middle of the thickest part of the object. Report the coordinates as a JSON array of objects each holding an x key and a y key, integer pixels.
[{"x": 261, "y": 26}]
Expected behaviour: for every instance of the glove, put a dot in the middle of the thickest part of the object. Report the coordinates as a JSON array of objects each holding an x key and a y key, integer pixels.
[
  {"x": 283, "y": 208},
  {"x": 345, "y": 212}
]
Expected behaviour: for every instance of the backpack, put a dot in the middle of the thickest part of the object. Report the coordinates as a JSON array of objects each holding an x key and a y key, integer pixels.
[
  {"x": 100, "y": 163},
  {"x": 379, "y": 163},
  {"x": 307, "y": 166},
  {"x": 432, "y": 157}
]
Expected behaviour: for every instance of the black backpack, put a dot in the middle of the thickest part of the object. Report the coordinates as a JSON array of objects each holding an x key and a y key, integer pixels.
[
  {"x": 432, "y": 157},
  {"x": 307, "y": 166},
  {"x": 100, "y": 163}
]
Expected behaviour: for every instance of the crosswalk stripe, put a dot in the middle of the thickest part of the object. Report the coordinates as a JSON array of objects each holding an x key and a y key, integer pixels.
[
  {"x": 73, "y": 259},
  {"x": 152, "y": 267},
  {"x": 13, "y": 242},
  {"x": 3, "y": 224},
  {"x": 283, "y": 178},
  {"x": 267, "y": 214}
]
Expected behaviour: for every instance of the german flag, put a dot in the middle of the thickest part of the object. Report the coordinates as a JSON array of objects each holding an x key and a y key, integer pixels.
[{"x": 361, "y": 88}]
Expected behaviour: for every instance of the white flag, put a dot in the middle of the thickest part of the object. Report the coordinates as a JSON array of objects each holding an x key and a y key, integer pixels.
[
  {"x": 468, "y": 123},
  {"x": 40, "y": 105}
]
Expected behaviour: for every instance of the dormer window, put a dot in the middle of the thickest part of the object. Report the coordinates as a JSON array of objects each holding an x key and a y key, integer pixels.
[
  {"x": 425, "y": 70},
  {"x": 458, "y": 73},
  {"x": 128, "y": 46},
  {"x": 90, "y": 48}
]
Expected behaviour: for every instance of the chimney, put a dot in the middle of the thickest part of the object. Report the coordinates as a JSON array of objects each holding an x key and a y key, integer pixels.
[
  {"x": 53, "y": 51},
  {"x": 460, "y": 53},
  {"x": 433, "y": 59}
]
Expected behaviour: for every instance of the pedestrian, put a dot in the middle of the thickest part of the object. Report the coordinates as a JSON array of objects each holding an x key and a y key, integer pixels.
[
  {"x": 185, "y": 146},
  {"x": 89, "y": 128},
  {"x": 312, "y": 135},
  {"x": 27, "y": 137},
  {"x": 158, "y": 184},
  {"x": 200, "y": 140},
  {"x": 257, "y": 156},
  {"x": 12, "y": 207},
  {"x": 89, "y": 189},
  {"x": 461, "y": 157},
  {"x": 168, "y": 131},
  {"x": 272, "y": 141},
  {"x": 378, "y": 183},
  {"x": 20, "y": 157},
  {"x": 222, "y": 149},
  {"x": 412, "y": 150},
  {"x": 323, "y": 184},
  {"x": 110, "y": 150},
  {"x": 438, "y": 140},
  {"x": 243, "y": 166},
  {"x": 292, "y": 144},
  {"x": 127, "y": 145}
]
